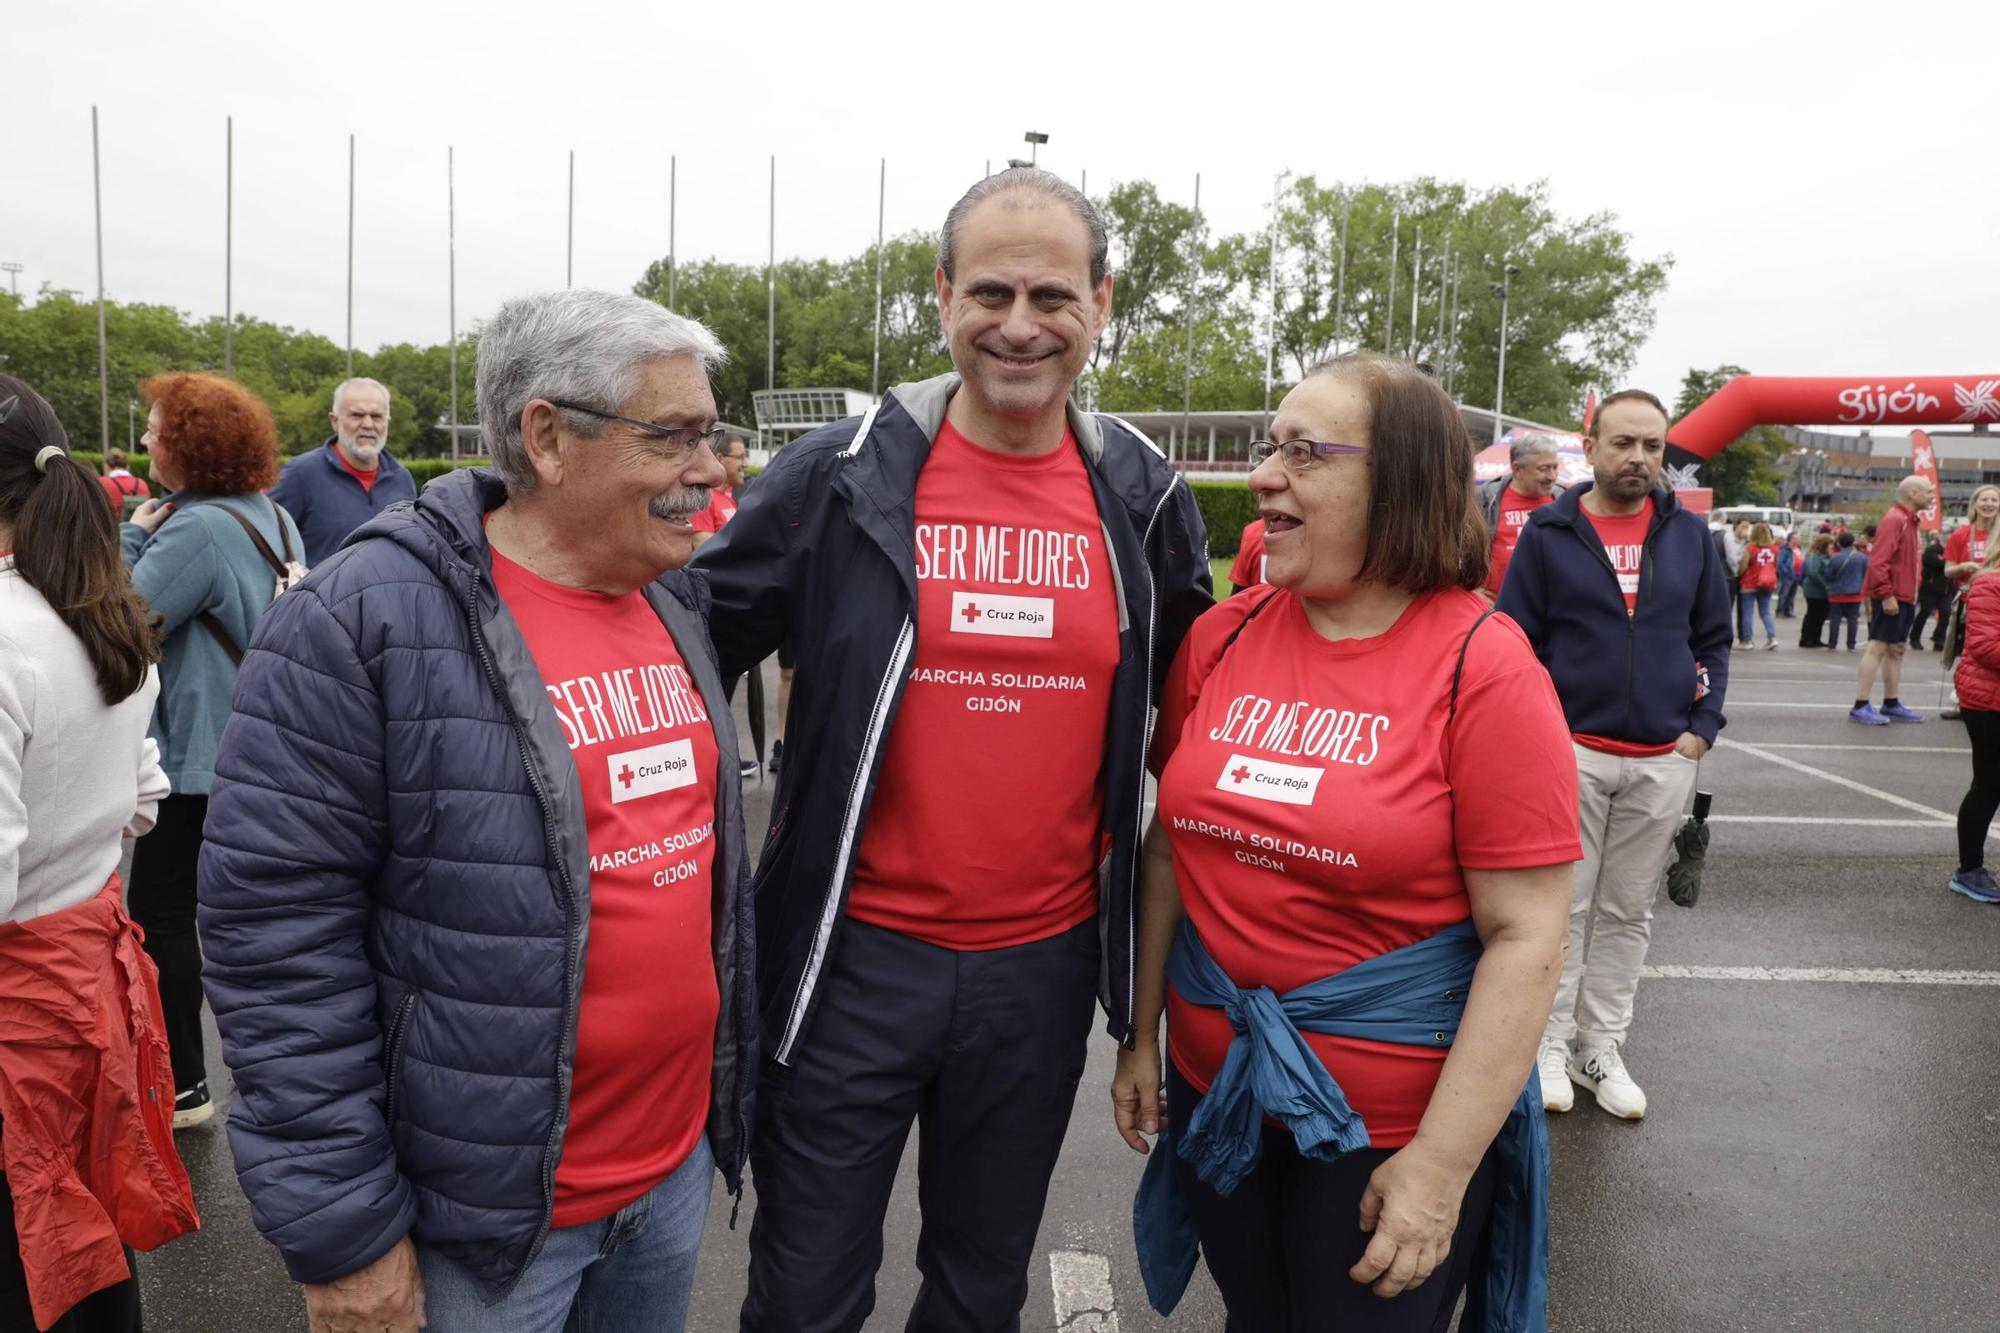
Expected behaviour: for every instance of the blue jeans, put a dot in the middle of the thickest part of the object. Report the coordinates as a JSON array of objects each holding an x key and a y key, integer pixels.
[
  {"x": 1842, "y": 613},
  {"x": 631, "y": 1272},
  {"x": 1788, "y": 591},
  {"x": 1760, "y": 600}
]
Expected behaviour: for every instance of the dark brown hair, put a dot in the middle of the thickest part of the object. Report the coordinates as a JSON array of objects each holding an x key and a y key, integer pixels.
[
  {"x": 1627, "y": 396},
  {"x": 222, "y": 438},
  {"x": 1424, "y": 531},
  {"x": 66, "y": 544}
]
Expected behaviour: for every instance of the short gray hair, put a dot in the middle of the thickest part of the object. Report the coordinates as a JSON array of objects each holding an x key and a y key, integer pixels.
[
  {"x": 581, "y": 346},
  {"x": 360, "y": 381},
  {"x": 1528, "y": 445},
  {"x": 1032, "y": 180}
]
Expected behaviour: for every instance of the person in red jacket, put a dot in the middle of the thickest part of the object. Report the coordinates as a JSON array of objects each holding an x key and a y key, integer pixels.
[
  {"x": 1891, "y": 590},
  {"x": 1978, "y": 682},
  {"x": 120, "y": 486},
  {"x": 1758, "y": 579}
]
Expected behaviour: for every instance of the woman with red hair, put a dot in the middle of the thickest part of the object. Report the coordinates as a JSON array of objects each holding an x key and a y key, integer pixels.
[{"x": 209, "y": 555}]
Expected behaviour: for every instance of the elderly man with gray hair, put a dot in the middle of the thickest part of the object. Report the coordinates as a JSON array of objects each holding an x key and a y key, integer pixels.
[
  {"x": 1506, "y": 502},
  {"x": 1891, "y": 591},
  {"x": 351, "y": 478},
  {"x": 475, "y": 896}
]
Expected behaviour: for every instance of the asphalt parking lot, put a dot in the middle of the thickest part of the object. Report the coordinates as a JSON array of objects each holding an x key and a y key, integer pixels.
[{"x": 1818, "y": 1040}]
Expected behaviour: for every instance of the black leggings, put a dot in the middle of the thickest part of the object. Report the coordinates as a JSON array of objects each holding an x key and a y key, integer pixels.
[
  {"x": 1279, "y": 1247},
  {"x": 115, "y": 1309},
  {"x": 161, "y": 900},
  {"x": 1982, "y": 798},
  {"x": 1814, "y": 624}
]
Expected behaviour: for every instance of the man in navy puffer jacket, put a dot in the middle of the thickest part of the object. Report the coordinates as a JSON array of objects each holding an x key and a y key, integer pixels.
[{"x": 475, "y": 895}]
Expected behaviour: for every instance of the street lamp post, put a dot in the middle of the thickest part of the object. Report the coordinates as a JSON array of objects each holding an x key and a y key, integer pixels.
[
  {"x": 1034, "y": 141},
  {"x": 1501, "y": 289},
  {"x": 12, "y": 268},
  {"x": 1271, "y": 307}
]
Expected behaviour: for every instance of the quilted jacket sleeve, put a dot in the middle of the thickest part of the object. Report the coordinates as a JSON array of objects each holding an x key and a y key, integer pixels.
[{"x": 297, "y": 828}]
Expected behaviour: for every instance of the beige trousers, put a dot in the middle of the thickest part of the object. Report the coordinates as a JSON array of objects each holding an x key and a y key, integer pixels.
[{"x": 1628, "y": 810}]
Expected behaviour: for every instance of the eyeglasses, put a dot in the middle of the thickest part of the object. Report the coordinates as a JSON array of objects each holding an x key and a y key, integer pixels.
[
  {"x": 1300, "y": 454},
  {"x": 677, "y": 439}
]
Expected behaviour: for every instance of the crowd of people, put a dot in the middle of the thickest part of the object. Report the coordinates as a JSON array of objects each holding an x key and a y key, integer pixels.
[{"x": 451, "y": 826}]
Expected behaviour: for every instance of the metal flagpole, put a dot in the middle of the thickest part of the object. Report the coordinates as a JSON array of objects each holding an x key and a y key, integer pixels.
[
  {"x": 350, "y": 256},
  {"x": 1340, "y": 287},
  {"x": 103, "y": 360},
  {"x": 1395, "y": 237},
  {"x": 1187, "y": 358},
  {"x": 1444, "y": 282},
  {"x": 771, "y": 289},
  {"x": 881, "y": 222},
  {"x": 1451, "y": 357},
  {"x": 229, "y": 247},
  {"x": 569, "y": 250},
  {"x": 1416, "y": 287},
  {"x": 451, "y": 267},
  {"x": 673, "y": 190},
  {"x": 1271, "y": 306}
]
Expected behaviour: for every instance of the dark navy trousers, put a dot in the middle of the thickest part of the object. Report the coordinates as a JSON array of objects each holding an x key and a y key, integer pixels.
[{"x": 982, "y": 1052}]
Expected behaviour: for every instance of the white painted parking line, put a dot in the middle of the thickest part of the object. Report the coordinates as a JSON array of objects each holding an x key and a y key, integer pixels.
[
  {"x": 1876, "y": 976},
  {"x": 1084, "y": 1299},
  {"x": 1839, "y": 781},
  {"x": 1871, "y": 749},
  {"x": 1820, "y": 819}
]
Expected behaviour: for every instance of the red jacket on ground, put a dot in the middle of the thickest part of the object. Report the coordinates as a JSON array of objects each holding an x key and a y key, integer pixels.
[
  {"x": 1978, "y": 673},
  {"x": 86, "y": 1102},
  {"x": 1894, "y": 558}
]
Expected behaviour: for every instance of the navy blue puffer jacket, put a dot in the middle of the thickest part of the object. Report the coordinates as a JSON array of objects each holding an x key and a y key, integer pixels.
[{"x": 395, "y": 903}]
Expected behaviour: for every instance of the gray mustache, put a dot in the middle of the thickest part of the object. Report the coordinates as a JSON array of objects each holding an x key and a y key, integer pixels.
[{"x": 681, "y": 507}]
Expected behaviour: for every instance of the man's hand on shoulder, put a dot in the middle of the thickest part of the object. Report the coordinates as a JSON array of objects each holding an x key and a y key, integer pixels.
[{"x": 385, "y": 1297}]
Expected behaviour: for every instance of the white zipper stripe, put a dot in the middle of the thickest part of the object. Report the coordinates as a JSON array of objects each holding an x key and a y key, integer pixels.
[
  {"x": 861, "y": 435},
  {"x": 850, "y": 823}
]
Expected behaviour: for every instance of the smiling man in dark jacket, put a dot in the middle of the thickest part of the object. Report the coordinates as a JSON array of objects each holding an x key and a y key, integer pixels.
[
  {"x": 475, "y": 894},
  {"x": 984, "y": 587},
  {"x": 1624, "y": 598}
]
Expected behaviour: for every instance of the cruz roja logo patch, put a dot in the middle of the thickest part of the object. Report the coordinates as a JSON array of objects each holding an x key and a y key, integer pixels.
[
  {"x": 1287, "y": 784},
  {"x": 650, "y": 771},
  {"x": 1009, "y": 617}
]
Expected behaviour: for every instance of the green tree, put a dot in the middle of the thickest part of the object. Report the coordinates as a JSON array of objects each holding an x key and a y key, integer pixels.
[{"x": 1746, "y": 470}]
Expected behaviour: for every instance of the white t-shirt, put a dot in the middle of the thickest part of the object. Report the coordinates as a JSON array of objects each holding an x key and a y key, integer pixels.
[{"x": 75, "y": 776}]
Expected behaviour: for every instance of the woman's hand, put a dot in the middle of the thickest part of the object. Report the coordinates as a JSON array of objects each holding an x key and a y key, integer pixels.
[
  {"x": 1138, "y": 1102},
  {"x": 1411, "y": 1205},
  {"x": 152, "y": 513}
]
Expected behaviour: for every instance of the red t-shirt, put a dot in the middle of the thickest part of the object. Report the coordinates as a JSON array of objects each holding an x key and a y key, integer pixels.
[
  {"x": 646, "y": 762},
  {"x": 1513, "y": 516},
  {"x": 116, "y": 489},
  {"x": 1248, "y": 571},
  {"x": 1320, "y": 810},
  {"x": 1760, "y": 568},
  {"x": 721, "y": 508},
  {"x": 367, "y": 479},
  {"x": 1967, "y": 545},
  {"x": 1625, "y": 544},
  {"x": 986, "y": 828}
]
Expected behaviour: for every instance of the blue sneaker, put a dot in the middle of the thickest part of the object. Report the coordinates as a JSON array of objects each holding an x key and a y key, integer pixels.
[
  {"x": 1978, "y": 885},
  {"x": 1867, "y": 714},
  {"x": 1902, "y": 713}
]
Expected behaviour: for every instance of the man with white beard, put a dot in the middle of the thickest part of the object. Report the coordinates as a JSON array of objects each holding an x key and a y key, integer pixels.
[{"x": 348, "y": 480}]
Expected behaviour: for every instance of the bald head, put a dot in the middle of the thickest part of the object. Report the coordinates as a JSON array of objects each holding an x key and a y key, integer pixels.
[{"x": 1915, "y": 492}]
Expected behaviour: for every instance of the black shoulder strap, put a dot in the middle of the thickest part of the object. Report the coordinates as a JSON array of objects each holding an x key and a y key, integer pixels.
[
  {"x": 1242, "y": 625},
  {"x": 1458, "y": 672},
  {"x": 278, "y": 566},
  {"x": 214, "y": 627}
]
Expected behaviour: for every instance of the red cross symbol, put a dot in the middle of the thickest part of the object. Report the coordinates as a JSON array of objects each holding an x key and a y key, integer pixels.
[
  {"x": 626, "y": 777},
  {"x": 971, "y": 612},
  {"x": 1242, "y": 772}
]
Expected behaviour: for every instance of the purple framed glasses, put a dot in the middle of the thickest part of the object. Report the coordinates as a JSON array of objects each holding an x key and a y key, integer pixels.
[{"x": 1300, "y": 454}]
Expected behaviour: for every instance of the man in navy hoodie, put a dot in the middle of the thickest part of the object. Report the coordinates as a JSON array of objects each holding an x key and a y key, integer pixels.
[
  {"x": 1626, "y": 602},
  {"x": 351, "y": 478}
]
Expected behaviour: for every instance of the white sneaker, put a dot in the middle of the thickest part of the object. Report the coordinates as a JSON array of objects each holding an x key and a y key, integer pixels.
[
  {"x": 1552, "y": 1064},
  {"x": 1602, "y": 1070}
]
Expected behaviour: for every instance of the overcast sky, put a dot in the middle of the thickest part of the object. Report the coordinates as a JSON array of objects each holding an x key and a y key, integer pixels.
[{"x": 1825, "y": 184}]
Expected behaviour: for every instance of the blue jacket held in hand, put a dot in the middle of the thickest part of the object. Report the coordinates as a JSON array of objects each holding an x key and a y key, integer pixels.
[
  {"x": 328, "y": 501},
  {"x": 395, "y": 905},
  {"x": 1412, "y": 996},
  {"x": 1643, "y": 677}
]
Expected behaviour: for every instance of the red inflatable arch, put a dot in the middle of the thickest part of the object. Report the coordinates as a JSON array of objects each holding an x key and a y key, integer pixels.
[{"x": 1759, "y": 400}]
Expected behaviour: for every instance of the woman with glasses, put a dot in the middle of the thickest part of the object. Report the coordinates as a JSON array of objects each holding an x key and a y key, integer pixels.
[
  {"x": 1355, "y": 897},
  {"x": 87, "y": 1165}
]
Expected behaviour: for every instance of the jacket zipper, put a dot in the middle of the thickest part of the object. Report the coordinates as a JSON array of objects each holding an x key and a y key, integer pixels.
[
  {"x": 1145, "y": 744},
  {"x": 392, "y": 1057},
  {"x": 850, "y": 822},
  {"x": 569, "y": 919}
]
